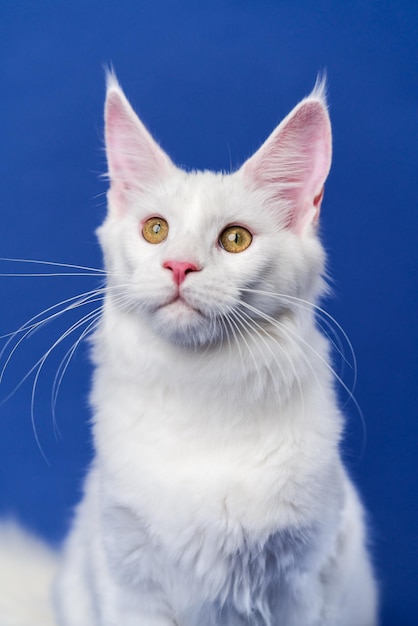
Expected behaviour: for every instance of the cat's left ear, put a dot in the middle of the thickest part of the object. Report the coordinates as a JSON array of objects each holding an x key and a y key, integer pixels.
[
  {"x": 135, "y": 160},
  {"x": 292, "y": 165}
]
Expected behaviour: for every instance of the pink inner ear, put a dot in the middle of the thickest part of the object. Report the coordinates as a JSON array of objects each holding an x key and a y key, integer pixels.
[
  {"x": 292, "y": 165},
  {"x": 134, "y": 159},
  {"x": 318, "y": 199}
]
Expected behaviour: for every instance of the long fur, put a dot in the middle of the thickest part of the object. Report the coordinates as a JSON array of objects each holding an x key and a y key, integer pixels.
[
  {"x": 217, "y": 496},
  {"x": 27, "y": 571}
]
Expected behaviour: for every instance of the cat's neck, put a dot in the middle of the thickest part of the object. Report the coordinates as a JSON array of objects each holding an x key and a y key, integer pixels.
[{"x": 238, "y": 370}]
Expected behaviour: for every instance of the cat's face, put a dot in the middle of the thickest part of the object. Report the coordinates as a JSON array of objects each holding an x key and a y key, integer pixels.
[{"x": 193, "y": 252}]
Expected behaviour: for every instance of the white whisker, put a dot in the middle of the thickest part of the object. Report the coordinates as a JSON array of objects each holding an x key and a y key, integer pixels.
[
  {"x": 239, "y": 327},
  {"x": 232, "y": 326},
  {"x": 253, "y": 325},
  {"x": 99, "y": 271},
  {"x": 303, "y": 342},
  {"x": 329, "y": 319},
  {"x": 48, "y": 274},
  {"x": 65, "y": 362},
  {"x": 227, "y": 335},
  {"x": 45, "y": 356},
  {"x": 37, "y": 368},
  {"x": 28, "y": 327},
  {"x": 31, "y": 325},
  {"x": 83, "y": 297}
]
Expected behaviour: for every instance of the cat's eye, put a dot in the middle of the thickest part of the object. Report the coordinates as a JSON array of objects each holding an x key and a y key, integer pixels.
[
  {"x": 235, "y": 239},
  {"x": 155, "y": 230}
]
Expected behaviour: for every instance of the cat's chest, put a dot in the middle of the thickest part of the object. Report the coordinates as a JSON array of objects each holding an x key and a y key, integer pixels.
[
  {"x": 210, "y": 572},
  {"x": 175, "y": 460}
]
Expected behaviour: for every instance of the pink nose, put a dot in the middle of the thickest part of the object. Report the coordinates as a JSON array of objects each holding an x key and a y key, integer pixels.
[{"x": 180, "y": 269}]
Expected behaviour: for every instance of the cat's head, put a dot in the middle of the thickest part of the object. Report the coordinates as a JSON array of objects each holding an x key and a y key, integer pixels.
[{"x": 205, "y": 257}]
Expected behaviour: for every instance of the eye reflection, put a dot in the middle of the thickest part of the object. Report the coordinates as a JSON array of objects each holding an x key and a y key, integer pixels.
[
  {"x": 155, "y": 230},
  {"x": 235, "y": 239}
]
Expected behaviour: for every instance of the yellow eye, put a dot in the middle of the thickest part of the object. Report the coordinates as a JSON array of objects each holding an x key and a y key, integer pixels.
[
  {"x": 235, "y": 239},
  {"x": 155, "y": 230}
]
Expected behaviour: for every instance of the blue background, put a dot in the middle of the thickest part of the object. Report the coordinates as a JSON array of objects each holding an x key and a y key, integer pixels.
[{"x": 211, "y": 80}]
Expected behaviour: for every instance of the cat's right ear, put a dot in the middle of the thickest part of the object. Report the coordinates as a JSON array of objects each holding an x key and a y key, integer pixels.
[{"x": 135, "y": 160}]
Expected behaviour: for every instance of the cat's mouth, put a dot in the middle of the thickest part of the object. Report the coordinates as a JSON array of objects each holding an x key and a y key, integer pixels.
[
  {"x": 181, "y": 304},
  {"x": 182, "y": 323},
  {"x": 176, "y": 298}
]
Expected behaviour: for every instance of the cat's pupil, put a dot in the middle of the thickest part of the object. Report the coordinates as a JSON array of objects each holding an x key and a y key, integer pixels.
[
  {"x": 233, "y": 237},
  {"x": 156, "y": 228}
]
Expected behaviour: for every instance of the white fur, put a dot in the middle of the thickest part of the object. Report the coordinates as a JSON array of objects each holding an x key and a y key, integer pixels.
[
  {"x": 217, "y": 495},
  {"x": 27, "y": 570}
]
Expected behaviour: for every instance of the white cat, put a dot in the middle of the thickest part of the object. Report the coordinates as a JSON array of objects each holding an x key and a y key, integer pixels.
[{"x": 217, "y": 496}]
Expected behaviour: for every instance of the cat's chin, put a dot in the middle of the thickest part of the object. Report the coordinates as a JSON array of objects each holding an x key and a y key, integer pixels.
[{"x": 179, "y": 323}]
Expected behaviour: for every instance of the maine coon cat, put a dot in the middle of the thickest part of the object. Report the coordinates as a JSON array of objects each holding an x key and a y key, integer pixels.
[{"x": 217, "y": 495}]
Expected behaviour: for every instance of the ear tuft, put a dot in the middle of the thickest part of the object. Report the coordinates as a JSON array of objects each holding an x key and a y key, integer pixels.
[
  {"x": 319, "y": 92},
  {"x": 111, "y": 79}
]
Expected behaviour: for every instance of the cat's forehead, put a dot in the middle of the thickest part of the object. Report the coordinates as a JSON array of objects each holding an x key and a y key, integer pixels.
[{"x": 204, "y": 198}]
